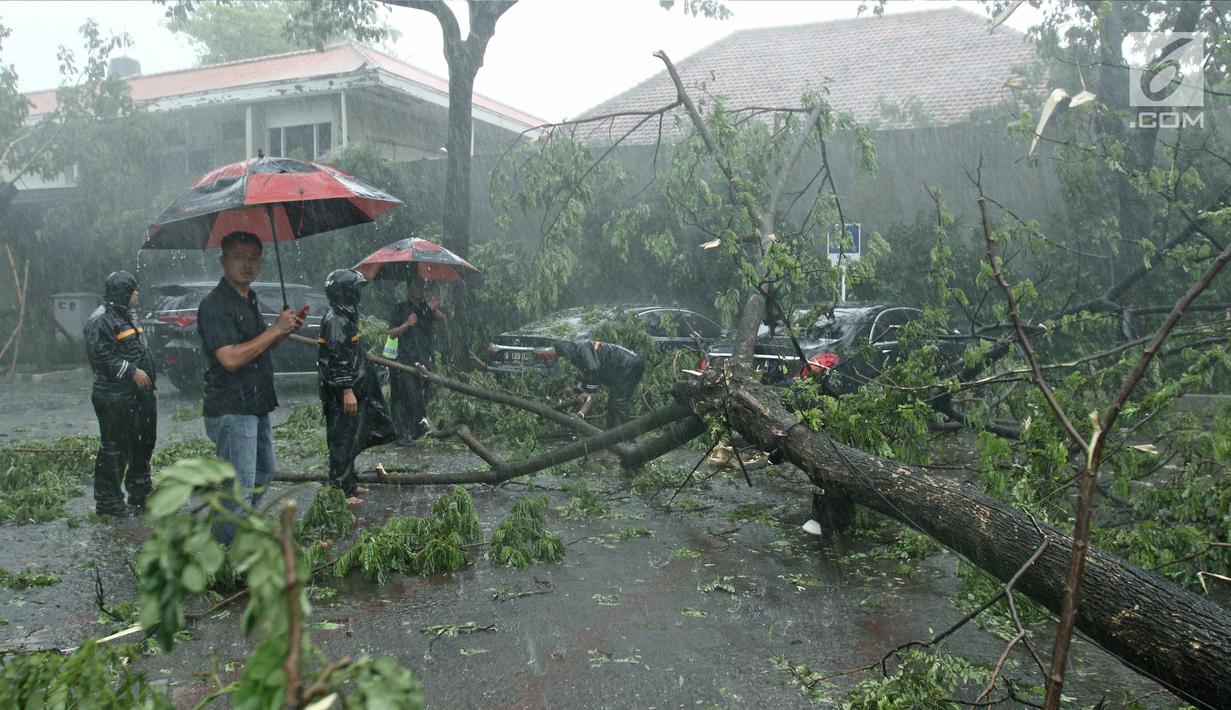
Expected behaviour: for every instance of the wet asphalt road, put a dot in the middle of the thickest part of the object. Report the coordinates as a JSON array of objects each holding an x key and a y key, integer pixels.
[{"x": 625, "y": 621}]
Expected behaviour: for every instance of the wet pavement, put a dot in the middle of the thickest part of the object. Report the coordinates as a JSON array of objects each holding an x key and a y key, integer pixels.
[{"x": 649, "y": 608}]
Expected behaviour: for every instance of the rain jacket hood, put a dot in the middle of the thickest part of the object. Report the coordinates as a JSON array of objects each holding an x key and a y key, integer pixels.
[
  {"x": 343, "y": 288},
  {"x": 118, "y": 288}
]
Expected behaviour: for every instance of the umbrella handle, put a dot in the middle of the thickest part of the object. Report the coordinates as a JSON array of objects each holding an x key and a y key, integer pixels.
[{"x": 273, "y": 233}]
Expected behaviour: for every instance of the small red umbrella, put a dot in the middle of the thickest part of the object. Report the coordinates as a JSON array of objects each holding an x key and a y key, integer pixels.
[
  {"x": 277, "y": 199},
  {"x": 412, "y": 255}
]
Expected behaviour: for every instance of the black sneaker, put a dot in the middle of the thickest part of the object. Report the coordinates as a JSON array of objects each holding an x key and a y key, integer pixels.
[{"x": 119, "y": 513}]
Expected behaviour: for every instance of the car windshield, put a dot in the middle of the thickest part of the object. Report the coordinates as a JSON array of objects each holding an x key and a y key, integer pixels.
[{"x": 842, "y": 323}]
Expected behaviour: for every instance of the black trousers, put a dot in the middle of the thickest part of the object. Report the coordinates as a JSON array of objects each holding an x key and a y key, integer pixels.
[
  {"x": 620, "y": 392},
  {"x": 408, "y": 395},
  {"x": 348, "y": 435},
  {"x": 128, "y": 427}
]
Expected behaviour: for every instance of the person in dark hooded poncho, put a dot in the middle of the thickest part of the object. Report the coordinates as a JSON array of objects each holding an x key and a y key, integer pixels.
[
  {"x": 355, "y": 412},
  {"x": 617, "y": 368},
  {"x": 123, "y": 399}
]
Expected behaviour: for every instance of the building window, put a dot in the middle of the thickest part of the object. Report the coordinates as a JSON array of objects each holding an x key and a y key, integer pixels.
[{"x": 309, "y": 141}]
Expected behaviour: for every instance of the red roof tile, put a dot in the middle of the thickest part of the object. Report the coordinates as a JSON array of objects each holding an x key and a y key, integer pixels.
[
  {"x": 944, "y": 61},
  {"x": 301, "y": 65}
]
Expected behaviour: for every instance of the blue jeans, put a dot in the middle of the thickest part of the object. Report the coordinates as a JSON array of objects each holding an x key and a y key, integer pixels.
[{"x": 246, "y": 441}]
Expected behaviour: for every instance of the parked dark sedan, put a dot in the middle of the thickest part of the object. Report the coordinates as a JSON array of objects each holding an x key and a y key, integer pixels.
[
  {"x": 530, "y": 347},
  {"x": 852, "y": 346},
  {"x": 172, "y": 330}
]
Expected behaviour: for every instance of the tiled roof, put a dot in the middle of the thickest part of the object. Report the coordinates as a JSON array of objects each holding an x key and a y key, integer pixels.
[
  {"x": 336, "y": 59},
  {"x": 943, "y": 61}
]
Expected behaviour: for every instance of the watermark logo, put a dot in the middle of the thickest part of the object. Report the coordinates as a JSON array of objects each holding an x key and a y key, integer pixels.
[{"x": 1166, "y": 78}]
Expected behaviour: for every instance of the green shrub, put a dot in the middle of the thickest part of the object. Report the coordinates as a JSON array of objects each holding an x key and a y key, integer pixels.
[
  {"x": 523, "y": 537},
  {"x": 25, "y": 580},
  {"x": 97, "y": 675},
  {"x": 38, "y": 478},
  {"x": 328, "y": 517},
  {"x": 195, "y": 448},
  {"x": 411, "y": 545}
]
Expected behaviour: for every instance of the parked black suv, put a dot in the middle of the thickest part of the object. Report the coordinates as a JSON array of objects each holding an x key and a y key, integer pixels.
[
  {"x": 852, "y": 346},
  {"x": 172, "y": 330},
  {"x": 530, "y": 346}
]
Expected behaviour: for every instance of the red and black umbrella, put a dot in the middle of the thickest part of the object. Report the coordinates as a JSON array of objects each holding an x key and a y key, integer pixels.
[
  {"x": 277, "y": 199},
  {"x": 412, "y": 255}
]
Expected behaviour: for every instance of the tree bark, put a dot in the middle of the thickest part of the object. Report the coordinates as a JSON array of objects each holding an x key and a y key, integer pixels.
[
  {"x": 1157, "y": 628},
  {"x": 465, "y": 58},
  {"x": 502, "y": 471}
]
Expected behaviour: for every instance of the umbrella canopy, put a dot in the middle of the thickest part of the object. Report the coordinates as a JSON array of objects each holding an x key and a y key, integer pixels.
[
  {"x": 412, "y": 255},
  {"x": 277, "y": 199}
]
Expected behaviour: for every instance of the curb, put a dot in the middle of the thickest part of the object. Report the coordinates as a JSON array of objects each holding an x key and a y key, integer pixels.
[{"x": 56, "y": 376}]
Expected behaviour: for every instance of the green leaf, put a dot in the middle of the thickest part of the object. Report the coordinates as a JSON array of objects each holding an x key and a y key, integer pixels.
[
  {"x": 169, "y": 496},
  {"x": 193, "y": 579}
]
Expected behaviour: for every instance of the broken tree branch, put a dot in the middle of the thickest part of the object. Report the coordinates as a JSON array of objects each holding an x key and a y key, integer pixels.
[
  {"x": 502, "y": 471},
  {"x": 1085, "y": 497},
  {"x": 294, "y": 621},
  {"x": 540, "y": 410},
  {"x": 1031, "y": 356},
  {"x": 1160, "y": 629}
]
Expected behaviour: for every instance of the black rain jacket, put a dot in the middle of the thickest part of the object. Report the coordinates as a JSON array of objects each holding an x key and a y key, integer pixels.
[
  {"x": 340, "y": 359},
  {"x": 116, "y": 345},
  {"x": 600, "y": 363}
]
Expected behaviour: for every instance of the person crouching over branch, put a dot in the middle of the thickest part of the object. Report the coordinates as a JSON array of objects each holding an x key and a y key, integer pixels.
[
  {"x": 355, "y": 413},
  {"x": 617, "y": 368}
]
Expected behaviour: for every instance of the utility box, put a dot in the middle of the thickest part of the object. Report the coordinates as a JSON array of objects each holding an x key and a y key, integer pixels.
[{"x": 72, "y": 310}]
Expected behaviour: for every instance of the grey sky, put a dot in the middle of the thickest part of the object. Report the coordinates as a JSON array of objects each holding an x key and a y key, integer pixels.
[{"x": 550, "y": 58}]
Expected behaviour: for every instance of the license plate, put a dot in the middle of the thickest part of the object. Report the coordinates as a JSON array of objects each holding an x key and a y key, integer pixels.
[{"x": 519, "y": 356}]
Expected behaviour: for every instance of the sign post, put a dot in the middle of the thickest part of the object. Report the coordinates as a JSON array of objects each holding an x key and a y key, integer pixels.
[{"x": 841, "y": 251}]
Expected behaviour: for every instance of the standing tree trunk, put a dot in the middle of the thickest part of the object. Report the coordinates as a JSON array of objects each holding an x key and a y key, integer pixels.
[
  {"x": 465, "y": 58},
  {"x": 455, "y": 222}
]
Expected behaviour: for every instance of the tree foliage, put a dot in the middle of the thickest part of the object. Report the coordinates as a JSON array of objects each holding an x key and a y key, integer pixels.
[
  {"x": 183, "y": 554},
  {"x": 226, "y": 31},
  {"x": 1150, "y": 215}
]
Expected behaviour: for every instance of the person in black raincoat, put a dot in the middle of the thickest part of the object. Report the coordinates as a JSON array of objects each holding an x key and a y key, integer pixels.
[
  {"x": 413, "y": 323},
  {"x": 123, "y": 399},
  {"x": 355, "y": 413},
  {"x": 617, "y": 368}
]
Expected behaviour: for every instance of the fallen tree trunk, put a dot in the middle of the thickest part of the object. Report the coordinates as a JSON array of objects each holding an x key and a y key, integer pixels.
[{"x": 1157, "y": 628}]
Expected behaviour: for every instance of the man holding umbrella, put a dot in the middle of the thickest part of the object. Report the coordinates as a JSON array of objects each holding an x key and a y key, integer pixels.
[
  {"x": 239, "y": 378},
  {"x": 412, "y": 322},
  {"x": 239, "y": 207}
]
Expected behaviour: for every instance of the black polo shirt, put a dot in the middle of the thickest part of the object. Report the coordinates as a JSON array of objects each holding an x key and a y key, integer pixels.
[{"x": 226, "y": 318}]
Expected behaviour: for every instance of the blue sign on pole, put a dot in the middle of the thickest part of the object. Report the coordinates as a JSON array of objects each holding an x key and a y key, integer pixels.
[{"x": 837, "y": 249}]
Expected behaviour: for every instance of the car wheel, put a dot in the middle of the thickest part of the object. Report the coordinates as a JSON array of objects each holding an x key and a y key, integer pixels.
[{"x": 185, "y": 381}]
